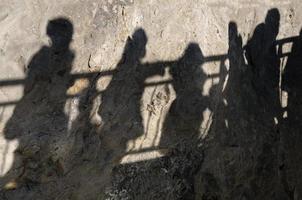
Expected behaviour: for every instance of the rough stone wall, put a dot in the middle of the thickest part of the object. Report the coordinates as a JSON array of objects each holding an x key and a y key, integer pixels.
[{"x": 150, "y": 99}]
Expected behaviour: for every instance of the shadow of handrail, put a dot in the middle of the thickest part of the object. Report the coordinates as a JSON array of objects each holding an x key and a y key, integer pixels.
[
  {"x": 215, "y": 58},
  {"x": 14, "y": 82}
]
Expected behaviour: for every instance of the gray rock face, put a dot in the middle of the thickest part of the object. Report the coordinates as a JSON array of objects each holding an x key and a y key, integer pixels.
[{"x": 150, "y": 100}]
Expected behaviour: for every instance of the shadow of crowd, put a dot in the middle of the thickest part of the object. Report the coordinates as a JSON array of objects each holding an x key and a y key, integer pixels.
[{"x": 251, "y": 126}]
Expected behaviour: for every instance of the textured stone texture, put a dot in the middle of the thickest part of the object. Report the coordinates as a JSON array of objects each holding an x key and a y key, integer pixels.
[{"x": 150, "y": 99}]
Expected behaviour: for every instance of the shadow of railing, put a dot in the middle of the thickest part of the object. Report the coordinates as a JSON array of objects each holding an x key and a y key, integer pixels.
[
  {"x": 279, "y": 44},
  {"x": 215, "y": 58},
  {"x": 14, "y": 82}
]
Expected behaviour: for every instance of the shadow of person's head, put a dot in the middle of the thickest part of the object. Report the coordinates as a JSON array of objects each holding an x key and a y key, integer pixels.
[
  {"x": 234, "y": 36},
  {"x": 233, "y": 30},
  {"x": 139, "y": 39},
  {"x": 193, "y": 54},
  {"x": 187, "y": 73},
  {"x": 135, "y": 48},
  {"x": 60, "y": 31},
  {"x": 272, "y": 22}
]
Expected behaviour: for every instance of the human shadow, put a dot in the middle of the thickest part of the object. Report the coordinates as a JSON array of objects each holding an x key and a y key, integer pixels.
[
  {"x": 238, "y": 99},
  {"x": 291, "y": 127},
  {"x": 182, "y": 126},
  {"x": 183, "y": 121},
  {"x": 39, "y": 121},
  {"x": 261, "y": 54},
  {"x": 262, "y": 57},
  {"x": 120, "y": 107},
  {"x": 226, "y": 134}
]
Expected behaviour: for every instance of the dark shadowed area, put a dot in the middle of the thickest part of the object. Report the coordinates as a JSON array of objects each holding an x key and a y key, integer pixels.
[{"x": 238, "y": 139}]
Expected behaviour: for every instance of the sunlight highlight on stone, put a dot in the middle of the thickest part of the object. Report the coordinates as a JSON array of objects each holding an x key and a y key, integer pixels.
[
  {"x": 138, "y": 157},
  {"x": 7, "y": 156}
]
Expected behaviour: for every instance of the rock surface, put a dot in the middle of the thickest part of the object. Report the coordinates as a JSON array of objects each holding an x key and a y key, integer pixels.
[{"x": 152, "y": 99}]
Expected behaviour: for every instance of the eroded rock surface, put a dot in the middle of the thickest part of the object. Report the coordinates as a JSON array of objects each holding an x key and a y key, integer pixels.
[{"x": 150, "y": 100}]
